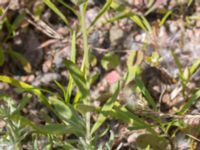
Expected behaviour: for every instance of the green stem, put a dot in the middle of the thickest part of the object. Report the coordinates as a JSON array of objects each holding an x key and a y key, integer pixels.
[{"x": 85, "y": 69}]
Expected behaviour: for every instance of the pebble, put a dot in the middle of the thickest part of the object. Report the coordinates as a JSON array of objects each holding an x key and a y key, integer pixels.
[
  {"x": 60, "y": 56},
  {"x": 48, "y": 77},
  {"x": 94, "y": 38},
  {"x": 115, "y": 34},
  {"x": 182, "y": 142}
]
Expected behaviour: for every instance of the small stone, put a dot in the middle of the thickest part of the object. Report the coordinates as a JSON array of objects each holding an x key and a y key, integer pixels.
[
  {"x": 60, "y": 56},
  {"x": 115, "y": 34},
  {"x": 94, "y": 38},
  {"x": 48, "y": 77}
]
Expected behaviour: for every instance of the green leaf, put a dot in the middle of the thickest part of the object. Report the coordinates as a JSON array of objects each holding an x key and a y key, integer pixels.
[
  {"x": 27, "y": 87},
  {"x": 186, "y": 74},
  {"x": 145, "y": 92},
  {"x": 120, "y": 16},
  {"x": 138, "y": 21},
  {"x": 191, "y": 100},
  {"x": 78, "y": 2},
  {"x": 194, "y": 66},
  {"x": 110, "y": 61},
  {"x": 73, "y": 59},
  {"x": 82, "y": 108},
  {"x": 20, "y": 58},
  {"x": 56, "y": 10},
  {"x": 107, "y": 107},
  {"x": 68, "y": 7},
  {"x": 102, "y": 12},
  {"x": 1, "y": 56},
  {"x": 51, "y": 129},
  {"x": 54, "y": 129},
  {"x": 123, "y": 114},
  {"x": 68, "y": 114},
  {"x": 146, "y": 23},
  {"x": 163, "y": 20},
  {"x": 133, "y": 71},
  {"x": 78, "y": 78}
]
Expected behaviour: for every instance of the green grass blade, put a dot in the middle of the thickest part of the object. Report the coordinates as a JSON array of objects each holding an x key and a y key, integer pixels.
[
  {"x": 120, "y": 16},
  {"x": 56, "y": 10},
  {"x": 107, "y": 107},
  {"x": 163, "y": 20},
  {"x": 68, "y": 7},
  {"x": 78, "y": 78},
  {"x": 102, "y": 12},
  {"x": 27, "y": 87},
  {"x": 191, "y": 101},
  {"x": 73, "y": 45},
  {"x": 60, "y": 86},
  {"x": 73, "y": 59},
  {"x": 146, "y": 93},
  {"x": 138, "y": 21},
  {"x": 146, "y": 24}
]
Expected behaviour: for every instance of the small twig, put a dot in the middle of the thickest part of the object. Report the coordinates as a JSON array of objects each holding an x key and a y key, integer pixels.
[
  {"x": 42, "y": 26},
  {"x": 193, "y": 137}
]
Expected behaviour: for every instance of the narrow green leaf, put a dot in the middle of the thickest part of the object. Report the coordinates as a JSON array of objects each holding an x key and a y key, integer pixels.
[
  {"x": 56, "y": 10},
  {"x": 54, "y": 129},
  {"x": 78, "y": 78},
  {"x": 123, "y": 114},
  {"x": 102, "y": 12},
  {"x": 189, "y": 2},
  {"x": 194, "y": 66},
  {"x": 25, "y": 86},
  {"x": 163, "y": 20},
  {"x": 51, "y": 129},
  {"x": 120, "y": 16},
  {"x": 68, "y": 114},
  {"x": 82, "y": 108},
  {"x": 138, "y": 21},
  {"x": 145, "y": 92},
  {"x": 68, "y": 7},
  {"x": 73, "y": 59},
  {"x": 73, "y": 45},
  {"x": 107, "y": 107},
  {"x": 191, "y": 101},
  {"x": 60, "y": 86},
  {"x": 146, "y": 23}
]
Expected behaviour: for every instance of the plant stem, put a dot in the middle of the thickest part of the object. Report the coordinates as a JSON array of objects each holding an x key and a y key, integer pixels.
[{"x": 85, "y": 69}]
